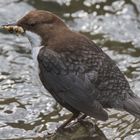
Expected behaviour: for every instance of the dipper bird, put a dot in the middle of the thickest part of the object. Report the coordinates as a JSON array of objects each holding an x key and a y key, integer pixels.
[{"x": 76, "y": 72}]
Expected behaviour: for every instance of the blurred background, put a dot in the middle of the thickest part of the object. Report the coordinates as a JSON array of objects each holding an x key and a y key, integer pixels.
[{"x": 29, "y": 112}]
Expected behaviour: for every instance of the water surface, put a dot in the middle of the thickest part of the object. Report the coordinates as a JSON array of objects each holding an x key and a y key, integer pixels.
[{"x": 27, "y": 111}]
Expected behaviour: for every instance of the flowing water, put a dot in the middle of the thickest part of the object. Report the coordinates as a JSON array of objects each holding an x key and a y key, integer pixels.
[{"x": 27, "y": 111}]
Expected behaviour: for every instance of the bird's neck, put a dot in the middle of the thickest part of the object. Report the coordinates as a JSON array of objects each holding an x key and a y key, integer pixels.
[
  {"x": 53, "y": 35},
  {"x": 46, "y": 38}
]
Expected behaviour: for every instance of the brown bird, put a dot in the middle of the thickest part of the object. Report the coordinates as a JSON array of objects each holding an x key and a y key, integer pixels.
[{"x": 76, "y": 72}]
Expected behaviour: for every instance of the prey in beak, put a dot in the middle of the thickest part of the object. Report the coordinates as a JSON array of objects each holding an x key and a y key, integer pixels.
[{"x": 13, "y": 28}]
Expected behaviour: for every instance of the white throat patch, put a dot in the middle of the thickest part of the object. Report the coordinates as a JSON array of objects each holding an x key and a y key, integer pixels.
[{"x": 34, "y": 39}]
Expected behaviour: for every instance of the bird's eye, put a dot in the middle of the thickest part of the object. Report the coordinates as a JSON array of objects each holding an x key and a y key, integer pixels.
[{"x": 31, "y": 24}]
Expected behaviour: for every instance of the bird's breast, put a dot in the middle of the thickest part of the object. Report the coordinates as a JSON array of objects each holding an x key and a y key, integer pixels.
[{"x": 35, "y": 52}]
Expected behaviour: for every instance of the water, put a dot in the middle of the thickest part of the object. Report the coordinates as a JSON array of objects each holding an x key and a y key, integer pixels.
[{"x": 27, "y": 111}]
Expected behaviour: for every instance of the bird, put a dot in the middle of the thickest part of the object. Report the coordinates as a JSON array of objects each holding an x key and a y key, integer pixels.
[{"x": 74, "y": 70}]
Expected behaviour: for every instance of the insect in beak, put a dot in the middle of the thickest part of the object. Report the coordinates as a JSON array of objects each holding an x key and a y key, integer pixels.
[{"x": 13, "y": 28}]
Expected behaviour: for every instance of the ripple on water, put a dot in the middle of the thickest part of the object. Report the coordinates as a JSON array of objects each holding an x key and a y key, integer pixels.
[{"x": 27, "y": 111}]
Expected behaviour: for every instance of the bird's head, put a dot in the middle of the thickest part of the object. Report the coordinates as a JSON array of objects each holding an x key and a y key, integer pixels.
[{"x": 42, "y": 23}]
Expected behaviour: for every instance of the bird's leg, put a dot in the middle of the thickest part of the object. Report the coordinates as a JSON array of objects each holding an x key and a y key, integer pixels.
[
  {"x": 74, "y": 116},
  {"x": 81, "y": 118}
]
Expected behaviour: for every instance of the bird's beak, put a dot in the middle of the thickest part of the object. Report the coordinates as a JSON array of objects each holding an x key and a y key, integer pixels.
[{"x": 13, "y": 28}]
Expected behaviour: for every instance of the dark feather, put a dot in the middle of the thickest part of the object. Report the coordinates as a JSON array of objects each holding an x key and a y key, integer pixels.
[
  {"x": 132, "y": 105},
  {"x": 81, "y": 77},
  {"x": 69, "y": 88}
]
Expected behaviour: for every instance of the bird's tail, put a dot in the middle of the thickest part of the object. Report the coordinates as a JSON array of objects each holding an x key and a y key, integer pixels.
[{"x": 132, "y": 105}]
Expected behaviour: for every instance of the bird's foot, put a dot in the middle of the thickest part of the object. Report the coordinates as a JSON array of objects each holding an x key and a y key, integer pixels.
[
  {"x": 81, "y": 118},
  {"x": 67, "y": 128}
]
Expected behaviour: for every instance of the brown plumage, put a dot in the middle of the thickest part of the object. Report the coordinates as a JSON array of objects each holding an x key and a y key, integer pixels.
[{"x": 76, "y": 72}]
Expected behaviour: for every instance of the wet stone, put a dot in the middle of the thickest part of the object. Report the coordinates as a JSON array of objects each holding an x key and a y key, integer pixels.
[{"x": 85, "y": 130}]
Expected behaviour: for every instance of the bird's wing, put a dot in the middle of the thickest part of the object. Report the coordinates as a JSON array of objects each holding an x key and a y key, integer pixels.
[{"x": 69, "y": 85}]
